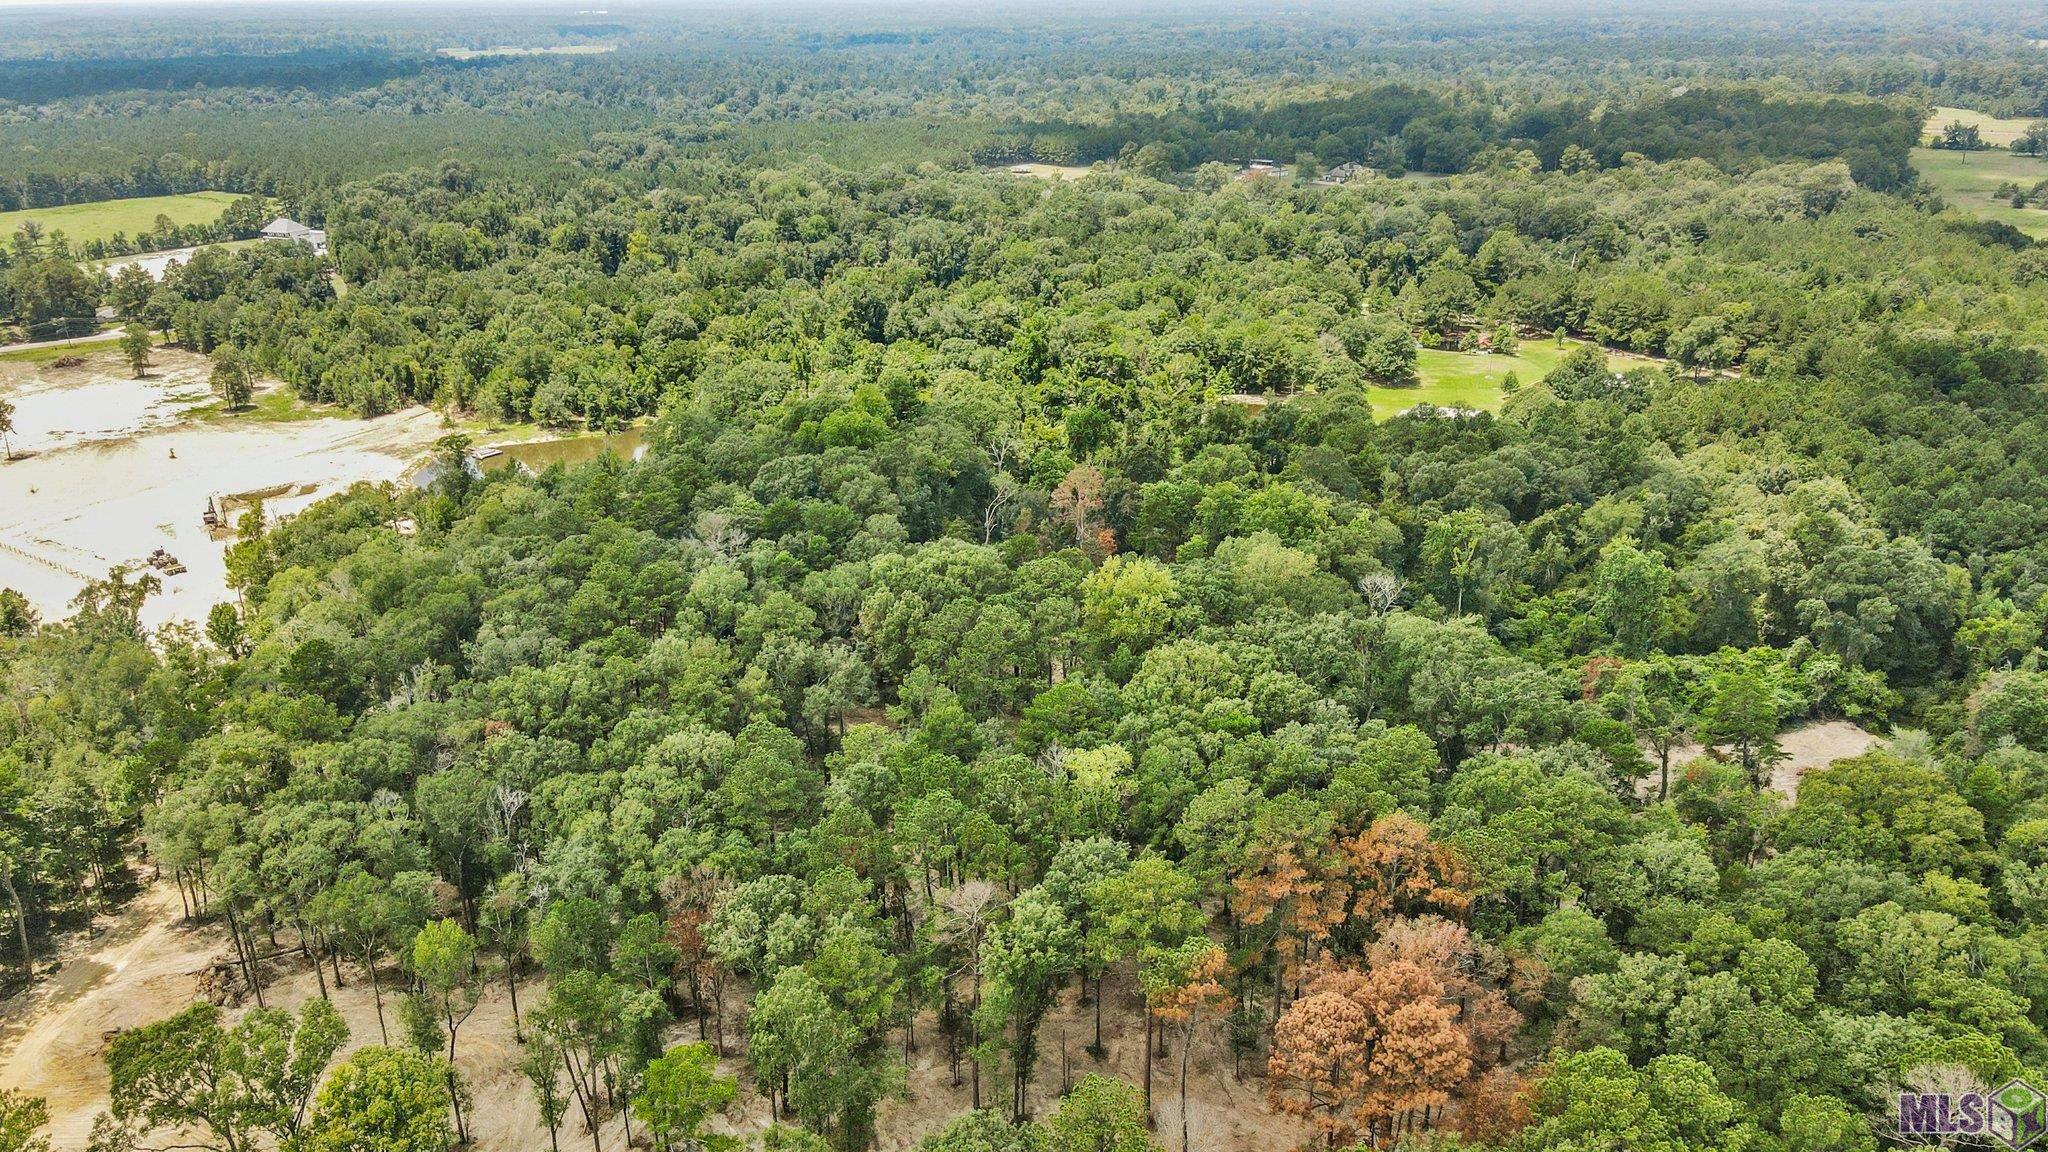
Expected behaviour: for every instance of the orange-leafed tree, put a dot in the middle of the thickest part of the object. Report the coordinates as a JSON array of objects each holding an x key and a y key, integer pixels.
[
  {"x": 689, "y": 897},
  {"x": 1077, "y": 499},
  {"x": 1184, "y": 986},
  {"x": 1394, "y": 868},
  {"x": 1494, "y": 1108},
  {"x": 1471, "y": 971},
  {"x": 1321, "y": 1060},
  {"x": 1284, "y": 888},
  {"x": 1360, "y": 1051}
]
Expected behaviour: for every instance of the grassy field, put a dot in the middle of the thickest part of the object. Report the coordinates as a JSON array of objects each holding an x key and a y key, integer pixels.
[
  {"x": 83, "y": 222},
  {"x": 1966, "y": 180},
  {"x": 1472, "y": 380},
  {"x": 1994, "y": 130}
]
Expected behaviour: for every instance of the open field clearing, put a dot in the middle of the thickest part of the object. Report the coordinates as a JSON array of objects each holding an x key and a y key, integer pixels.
[
  {"x": 154, "y": 264},
  {"x": 1473, "y": 379},
  {"x": 1807, "y": 748},
  {"x": 1996, "y": 131},
  {"x": 1967, "y": 179},
  {"x": 1048, "y": 171},
  {"x": 100, "y": 221}
]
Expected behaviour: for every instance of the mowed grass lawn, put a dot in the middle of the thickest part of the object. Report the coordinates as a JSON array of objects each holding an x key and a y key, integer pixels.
[
  {"x": 99, "y": 221},
  {"x": 1472, "y": 380},
  {"x": 1967, "y": 179}
]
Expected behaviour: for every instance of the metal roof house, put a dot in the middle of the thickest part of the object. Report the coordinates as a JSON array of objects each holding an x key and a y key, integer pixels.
[{"x": 285, "y": 228}]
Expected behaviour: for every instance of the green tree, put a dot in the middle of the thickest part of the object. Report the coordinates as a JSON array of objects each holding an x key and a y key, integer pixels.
[
  {"x": 797, "y": 1037},
  {"x": 231, "y": 378},
  {"x": 1650, "y": 696},
  {"x": 383, "y": 1100},
  {"x": 1742, "y": 712},
  {"x": 1100, "y": 1115},
  {"x": 1022, "y": 963},
  {"x": 21, "y": 1122},
  {"x": 1629, "y": 591},
  {"x": 224, "y": 628},
  {"x": 1382, "y": 346},
  {"x": 681, "y": 1090},
  {"x": 189, "y": 1071},
  {"x": 444, "y": 959},
  {"x": 541, "y": 1064},
  {"x": 1471, "y": 553},
  {"x": 370, "y": 917},
  {"x": 1960, "y": 137},
  {"x": 1150, "y": 905},
  {"x": 135, "y": 344},
  {"x": 53, "y": 297},
  {"x": 1594, "y": 1099}
]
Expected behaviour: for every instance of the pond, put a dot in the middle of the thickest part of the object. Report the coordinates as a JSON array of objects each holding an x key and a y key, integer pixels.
[{"x": 539, "y": 455}]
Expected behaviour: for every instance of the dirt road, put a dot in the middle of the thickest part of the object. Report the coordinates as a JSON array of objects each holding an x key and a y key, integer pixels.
[
  {"x": 143, "y": 968},
  {"x": 67, "y": 342}
]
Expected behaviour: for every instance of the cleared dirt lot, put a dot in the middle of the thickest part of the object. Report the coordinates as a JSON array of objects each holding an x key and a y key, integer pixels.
[{"x": 148, "y": 964}]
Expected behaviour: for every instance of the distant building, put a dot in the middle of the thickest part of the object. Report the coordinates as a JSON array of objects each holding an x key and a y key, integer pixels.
[
  {"x": 285, "y": 228},
  {"x": 1346, "y": 173}
]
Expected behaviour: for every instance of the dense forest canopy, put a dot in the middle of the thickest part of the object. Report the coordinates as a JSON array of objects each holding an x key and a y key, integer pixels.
[{"x": 1019, "y": 598}]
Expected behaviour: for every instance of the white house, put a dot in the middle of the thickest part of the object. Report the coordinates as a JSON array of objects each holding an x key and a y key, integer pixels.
[{"x": 285, "y": 228}]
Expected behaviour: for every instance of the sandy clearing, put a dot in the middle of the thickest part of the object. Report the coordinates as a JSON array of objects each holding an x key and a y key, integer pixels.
[
  {"x": 1806, "y": 747},
  {"x": 145, "y": 967},
  {"x": 116, "y": 471},
  {"x": 1059, "y": 172}
]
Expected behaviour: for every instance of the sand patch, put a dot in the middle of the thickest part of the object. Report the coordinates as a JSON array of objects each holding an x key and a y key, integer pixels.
[
  {"x": 117, "y": 468},
  {"x": 1806, "y": 748}
]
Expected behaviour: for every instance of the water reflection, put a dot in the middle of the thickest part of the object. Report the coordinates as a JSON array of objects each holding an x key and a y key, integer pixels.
[
  {"x": 538, "y": 455},
  {"x": 570, "y": 451}
]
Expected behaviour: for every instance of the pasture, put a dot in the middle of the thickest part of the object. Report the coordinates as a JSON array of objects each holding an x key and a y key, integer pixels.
[
  {"x": 101, "y": 220},
  {"x": 1999, "y": 133},
  {"x": 1967, "y": 179}
]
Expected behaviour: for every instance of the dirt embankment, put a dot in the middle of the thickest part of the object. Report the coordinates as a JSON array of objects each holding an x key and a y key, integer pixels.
[{"x": 149, "y": 964}]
